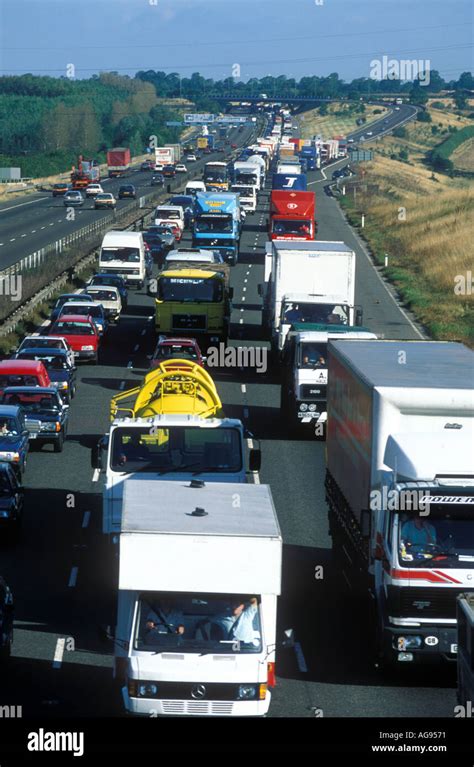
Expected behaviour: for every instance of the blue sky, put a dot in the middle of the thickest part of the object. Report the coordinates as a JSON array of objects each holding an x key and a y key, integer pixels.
[{"x": 291, "y": 37}]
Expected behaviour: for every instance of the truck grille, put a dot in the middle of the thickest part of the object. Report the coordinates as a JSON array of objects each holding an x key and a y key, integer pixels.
[
  {"x": 313, "y": 391},
  {"x": 202, "y": 708},
  {"x": 189, "y": 322},
  {"x": 427, "y": 602}
]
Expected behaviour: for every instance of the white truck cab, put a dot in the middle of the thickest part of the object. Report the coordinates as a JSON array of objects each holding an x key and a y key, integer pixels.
[{"x": 199, "y": 577}]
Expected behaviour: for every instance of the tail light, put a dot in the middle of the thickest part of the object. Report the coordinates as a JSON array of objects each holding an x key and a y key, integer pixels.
[{"x": 271, "y": 676}]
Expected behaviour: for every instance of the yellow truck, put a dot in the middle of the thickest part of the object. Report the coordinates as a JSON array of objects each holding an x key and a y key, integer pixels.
[
  {"x": 176, "y": 386},
  {"x": 194, "y": 301}
]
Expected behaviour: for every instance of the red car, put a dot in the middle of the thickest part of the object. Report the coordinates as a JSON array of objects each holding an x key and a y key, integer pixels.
[
  {"x": 23, "y": 373},
  {"x": 176, "y": 348},
  {"x": 171, "y": 224},
  {"x": 82, "y": 334},
  {"x": 233, "y": 146}
]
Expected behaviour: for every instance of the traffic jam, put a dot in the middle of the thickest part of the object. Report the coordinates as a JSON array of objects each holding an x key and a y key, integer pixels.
[{"x": 195, "y": 534}]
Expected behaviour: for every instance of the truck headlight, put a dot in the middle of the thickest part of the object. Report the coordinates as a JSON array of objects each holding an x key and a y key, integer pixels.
[
  {"x": 247, "y": 692},
  {"x": 147, "y": 690},
  {"x": 87, "y": 348},
  {"x": 303, "y": 407}
]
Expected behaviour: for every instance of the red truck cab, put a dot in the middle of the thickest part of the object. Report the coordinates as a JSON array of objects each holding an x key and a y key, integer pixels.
[
  {"x": 292, "y": 215},
  {"x": 23, "y": 373},
  {"x": 81, "y": 333}
]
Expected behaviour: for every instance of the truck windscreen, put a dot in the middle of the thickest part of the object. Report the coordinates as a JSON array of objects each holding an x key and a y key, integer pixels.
[
  {"x": 312, "y": 355},
  {"x": 186, "y": 449},
  {"x": 210, "y": 223},
  {"x": 219, "y": 176},
  {"x": 443, "y": 538},
  {"x": 198, "y": 623},
  {"x": 193, "y": 290},
  {"x": 329, "y": 314},
  {"x": 299, "y": 227},
  {"x": 126, "y": 255}
]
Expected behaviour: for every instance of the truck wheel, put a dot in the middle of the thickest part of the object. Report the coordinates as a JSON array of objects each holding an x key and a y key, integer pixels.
[{"x": 58, "y": 445}]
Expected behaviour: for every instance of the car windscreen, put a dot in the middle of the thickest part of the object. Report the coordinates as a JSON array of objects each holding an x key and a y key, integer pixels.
[
  {"x": 33, "y": 403},
  {"x": 53, "y": 361},
  {"x": 103, "y": 295},
  {"x": 165, "y": 351},
  {"x": 126, "y": 255},
  {"x": 200, "y": 289},
  {"x": 85, "y": 309},
  {"x": 74, "y": 329}
]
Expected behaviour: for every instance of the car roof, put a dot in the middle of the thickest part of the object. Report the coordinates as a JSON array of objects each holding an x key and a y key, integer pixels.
[
  {"x": 30, "y": 390},
  {"x": 9, "y": 409},
  {"x": 108, "y": 276},
  {"x": 76, "y": 318},
  {"x": 20, "y": 366},
  {"x": 87, "y": 304}
]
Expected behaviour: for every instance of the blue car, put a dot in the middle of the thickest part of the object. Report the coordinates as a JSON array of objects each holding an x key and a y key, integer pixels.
[
  {"x": 14, "y": 437},
  {"x": 11, "y": 499},
  {"x": 64, "y": 298},
  {"x": 56, "y": 361},
  {"x": 46, "y": 414}
]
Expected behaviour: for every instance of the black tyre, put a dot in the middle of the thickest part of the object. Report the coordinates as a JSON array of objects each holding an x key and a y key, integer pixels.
[{"x": 59, "y": 443}]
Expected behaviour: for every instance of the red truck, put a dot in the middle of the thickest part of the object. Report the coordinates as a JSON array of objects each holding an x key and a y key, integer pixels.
[
  {"x": 292, "y": 215},
  {"x": 118, "y": 161},
  {"x": 87, "y": 172}
]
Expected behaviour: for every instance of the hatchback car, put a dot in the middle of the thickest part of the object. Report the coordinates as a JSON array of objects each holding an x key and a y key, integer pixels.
[
  {"x": 181, "y": 168},
  {"x": 106, "y": 200},
  {"x": 60, "y": 189},
  {"x": 127, "y": 190},
  {"x": 92, "y": 190},
  {"x": 169, "y": 171},
  {"x": 81, "y": 333},
  {"x": 191, "y": 158},
  {"x": 46, "y": 342},
  {"x": 165, "y": 233},
  {"x": 46, "y": 413},
  {"x": 73, "y": 197},
  {"x": 87, "y": 309},
  {"x": 157, "y": 179},
  {"x": 176, "y": 348},
  {"x": 62, "y": 374},
  {"x": 63, "y": 299},
  {"x": 115, "y": 280}
]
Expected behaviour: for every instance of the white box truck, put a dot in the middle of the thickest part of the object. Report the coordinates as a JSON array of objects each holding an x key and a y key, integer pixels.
[
  {"x": 400, "y": 487},
  {"x": 199, "y": 577},
  {"x": 308, "y": 282},
  {"x": 169, "y": 447}
]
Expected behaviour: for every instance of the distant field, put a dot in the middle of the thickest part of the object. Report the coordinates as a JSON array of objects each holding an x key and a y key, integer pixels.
[
  {"x": 463, "y": 156},
  {"x": 423, "y": 221},
  {"x": 312, "y": 123}
]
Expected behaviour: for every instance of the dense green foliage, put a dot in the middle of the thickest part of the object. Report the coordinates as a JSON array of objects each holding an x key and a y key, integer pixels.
[{"x": 439, "y": 156}]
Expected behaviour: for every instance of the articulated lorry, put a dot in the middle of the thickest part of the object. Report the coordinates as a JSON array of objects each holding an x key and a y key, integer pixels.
[
  {"x": 465, "y": 619},
  {"x": 305, "y": 372},
  {"x": 307, "y": 282},
  {"x": 247, "y": 173},
  {"x": 310, "y": 155},
  {"x": 199, "y": 579},
  {"x": 217, "y": 223},
  {"x": 400, "y": 488},
  {"x": 118, "y": 161},
  {"x": 194, "y": 300},
  {"x": 292, "y": 215}
]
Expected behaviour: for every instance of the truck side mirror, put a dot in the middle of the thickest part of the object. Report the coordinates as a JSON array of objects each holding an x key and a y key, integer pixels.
[
  {"x": 358, "y": 315},
  {"x": 96, "y": 454},
  {"x": 260, "y": 289},
  {"x": 289, "y": 641},
  {"x": 255, "y": 459}
]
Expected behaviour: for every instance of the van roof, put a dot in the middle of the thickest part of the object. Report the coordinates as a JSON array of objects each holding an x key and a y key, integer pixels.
[{"x": 114, "y": 238}]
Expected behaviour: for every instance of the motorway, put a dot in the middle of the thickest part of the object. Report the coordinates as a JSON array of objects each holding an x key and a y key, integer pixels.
[{"x": 64, "y": 574}]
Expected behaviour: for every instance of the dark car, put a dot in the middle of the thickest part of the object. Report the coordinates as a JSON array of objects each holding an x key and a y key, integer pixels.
[
  {"x": 176, "y": 348},
  {"x": 6, "y": 619},
  {"x": 60, "y": 189},
  {"x": 166, "y": 234},
  {"x": 169, "y": 171},
  {"x": 46, "y": 413},
  {"x": 186, "y": 202},
  {"x": 63, "y": 299},
  {"x": 11, "y": 503},
  {"x": 127, "y": 190},
  {"x": 158, "y": 248},
  {"x": 147, "y": 165},
  {"x": 115, "y": 281},
  {"x": 58, "y": 365},
  {"x": 157, "y": 179},
  {"x": 14, "y": 437}
]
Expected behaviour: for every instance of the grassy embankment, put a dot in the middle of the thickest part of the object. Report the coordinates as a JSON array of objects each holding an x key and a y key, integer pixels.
[{"x": 423, "y": 221}]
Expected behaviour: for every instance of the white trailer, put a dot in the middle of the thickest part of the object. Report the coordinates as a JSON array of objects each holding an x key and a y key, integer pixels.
[
  {"x": 400, "y": 487},
  {"x": 308, "y": 282},
  {"x": 199, "y": 576}
]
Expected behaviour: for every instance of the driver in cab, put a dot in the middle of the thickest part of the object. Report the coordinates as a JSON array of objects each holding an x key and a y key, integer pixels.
[{"x": 418, "y": 532}]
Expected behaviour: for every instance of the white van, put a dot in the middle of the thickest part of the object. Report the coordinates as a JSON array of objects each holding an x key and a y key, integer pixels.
[
  {"x": 166, "y": 213},
  {"x": 193, "y": 187},
  {"x": 123, "y": 253}
]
